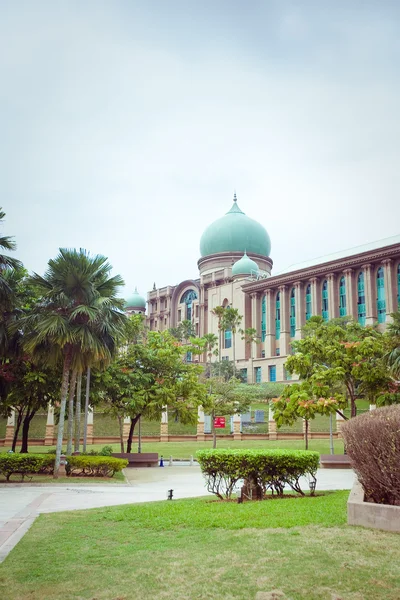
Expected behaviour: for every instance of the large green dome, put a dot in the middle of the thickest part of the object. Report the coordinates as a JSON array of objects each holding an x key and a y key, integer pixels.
[
  {"x": 135, "y": 301},
  {"x": 235, "y": 232}
]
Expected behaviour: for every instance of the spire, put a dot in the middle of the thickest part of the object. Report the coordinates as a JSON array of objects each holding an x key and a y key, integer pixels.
[
  {"x": 136, "y": 292},
  {"x": 234, "y": 196}
]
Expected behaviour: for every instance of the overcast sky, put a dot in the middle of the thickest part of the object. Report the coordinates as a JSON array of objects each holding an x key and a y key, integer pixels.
[{"x": 126, "y": 126}]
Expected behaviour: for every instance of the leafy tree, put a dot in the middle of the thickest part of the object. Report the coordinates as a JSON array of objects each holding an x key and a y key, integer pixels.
[
  {"x": 79, "y": 319},
  {"x": 250, "y": 338},
  {"x": 7, "y": 264},
  {"x": 210, "y": 347},
  {"x": 231, "y": 321},
  {"x": 225, "y": 369},
  {"x": 219, "y": 312},
  {"x": 392, "y": 356}
]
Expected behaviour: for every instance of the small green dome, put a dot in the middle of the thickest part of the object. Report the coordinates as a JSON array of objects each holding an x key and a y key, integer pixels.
[
  {"x": 135, "y": 301},
  {"x": 244, "y": 266},
  {"x": 235, "y": 232}
]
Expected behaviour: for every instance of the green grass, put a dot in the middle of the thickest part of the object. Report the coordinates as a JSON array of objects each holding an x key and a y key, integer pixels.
[
  {"x": 183, "y": 450},
  {"x": 117, "y": 478},
  {"x": 204, "y": 549}
]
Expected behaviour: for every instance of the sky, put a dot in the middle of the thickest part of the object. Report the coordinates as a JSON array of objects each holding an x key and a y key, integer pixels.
[{"x": 126, "y": 127}]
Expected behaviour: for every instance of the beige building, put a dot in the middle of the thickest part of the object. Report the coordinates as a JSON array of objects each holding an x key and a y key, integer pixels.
[{"x": 235, "y": 269}]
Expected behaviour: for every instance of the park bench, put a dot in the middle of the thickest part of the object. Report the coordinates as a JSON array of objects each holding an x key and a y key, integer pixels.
[
  {"x": 335, "y": 461},
  {"x": 135, "y": 459}
]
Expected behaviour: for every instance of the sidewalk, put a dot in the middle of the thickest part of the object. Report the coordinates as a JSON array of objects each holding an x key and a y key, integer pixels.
[{"x": 20, "y": 504}]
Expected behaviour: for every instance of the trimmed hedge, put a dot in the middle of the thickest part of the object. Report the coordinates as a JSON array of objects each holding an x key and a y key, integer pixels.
[
  {"x": 94, "y": 466},
  {"x": 372, "y": 442},
  {"x": 86, "y": 466},
  {"x": 265, "y": 469}
]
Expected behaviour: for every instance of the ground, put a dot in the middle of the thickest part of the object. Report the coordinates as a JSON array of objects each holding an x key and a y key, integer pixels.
[{"x": 203, "y": 549}]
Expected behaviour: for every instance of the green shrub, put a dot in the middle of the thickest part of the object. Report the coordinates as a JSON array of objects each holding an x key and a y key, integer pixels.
[
  {"x": 266, "y": 469},
  {"x": 21, "y": 464},
  {"x": 373, "y": 444},
  {"x": 106, "y": 451},
  {"x": 94, "y": 466}
]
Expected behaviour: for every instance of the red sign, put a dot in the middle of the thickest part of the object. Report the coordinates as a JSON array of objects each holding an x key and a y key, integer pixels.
[{"x": 219, "y": 422}]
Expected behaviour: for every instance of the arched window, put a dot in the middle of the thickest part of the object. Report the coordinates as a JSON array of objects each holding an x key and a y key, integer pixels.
[
  {"x": 263, "y": 318},
  {"x": 380, "y": 302},
  {"x": 361, "y": 299},
  {"x": 308, "y": 302},
  {"x": 278, "y": 316},
  {"x": 398, "y": 285},
  {"x": 325, "y": 301},
  {"x": 342, "y": 297},
  {"x": 228, "y": 334},
  {"x": 187, "y": 299},
  {"x": 293, "y": 313}
]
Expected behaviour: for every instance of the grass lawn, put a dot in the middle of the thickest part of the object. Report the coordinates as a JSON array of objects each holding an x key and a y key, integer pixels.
[
  {"x": 204, "y": 549},
  {"x": 117, "y": 478},
  {"x": 183, "y": 450}
]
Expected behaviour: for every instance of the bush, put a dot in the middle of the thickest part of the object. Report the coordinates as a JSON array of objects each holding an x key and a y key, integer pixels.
[
  {"x": 21, "y": 464},
  {"x": 94, "y": 466},
  {"x": 372, "y": 442},
  {"x": 265, "y": 469},
  {"x": 106, "y": 451}
]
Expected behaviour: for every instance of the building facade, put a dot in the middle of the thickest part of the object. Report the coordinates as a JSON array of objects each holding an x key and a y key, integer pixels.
[{"x": 235, "y": 270}]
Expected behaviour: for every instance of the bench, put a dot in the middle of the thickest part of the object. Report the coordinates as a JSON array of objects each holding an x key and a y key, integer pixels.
[
  {"x": 135, "y": 459},
  {"x": 335, "y": 461}
]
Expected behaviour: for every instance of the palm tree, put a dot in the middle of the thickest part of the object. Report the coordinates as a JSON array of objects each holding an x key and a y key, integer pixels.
[
  {"x": 7, "y": 263},
  {"x": 393, "y": 356},
  {"x": 232, "y": 320},
  {"x": 211, "y": 341},
  {"x": 79, "y": 318},
  {"x": 219, "y": 312}
]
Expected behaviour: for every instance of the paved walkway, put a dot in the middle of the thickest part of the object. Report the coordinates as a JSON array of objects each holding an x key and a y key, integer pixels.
[{"x": 20, "y": 504}]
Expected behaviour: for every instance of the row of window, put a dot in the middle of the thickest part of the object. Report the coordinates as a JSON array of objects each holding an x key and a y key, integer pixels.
[{"x": 325, "y": 308}]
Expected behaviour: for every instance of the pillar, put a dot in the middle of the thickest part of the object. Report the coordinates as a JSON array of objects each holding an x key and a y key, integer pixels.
[
  {"x": 333, "y": 296},
  {"x": 300, "y": 308},
  {"x": 200, "y": 425},
  {"x": 351, "y": 294},
  {"x": 339, "y": 422},
  {"x": 272, "y": 428},
  {"x": 236, "y": 427},
  {"x": 10, "y": 429},
  {"x": 370, "y": 295},
  {"x": 49, "y": 435},
  {"x": 315, "y": 297},
  {"x": 126, "y": 427},
  {"x": 256, "y": 321},
  {"x": 390, "y": 289},
  {"x": 90, "y": 428},
  {"x": 270, "y": 333},
  {"x": 285, "y": 321},
  {"x": 164, "y": 426}
]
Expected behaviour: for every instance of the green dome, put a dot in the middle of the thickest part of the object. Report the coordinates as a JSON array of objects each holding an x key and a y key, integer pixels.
[
  {"x": 135, "y": 301},
  {"x": 244, "y": 266},
  {"x": 235, "y": 232}
]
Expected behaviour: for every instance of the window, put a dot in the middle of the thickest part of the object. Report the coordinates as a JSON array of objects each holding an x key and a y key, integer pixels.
[
  {"x": 308, "y": 302},
  {"x": 361, "y": 313},
  {"x": 380, "y": 301},
  {"x": 342, "y": 297},
  {"x": 179, "y": 315},
  {"x": 224, "y": 357},
  {"x": 278, "y": 316},
  {"x": 197, "y": 311},
  {"x": 272, "y": 373},
  {"x": 278, "y": 352},
  {"x": 286, "y": 375},
  {"x": 325, "y": 301},
  {"x": 187, "y": 299},
  {"x": 262, "y": 353},
  {"x": 227, "y": 338},
  {"x": 188, "y": 357},
  {"x": 243, "y": 375},
  {"x": 257, "y": 374},
  {"x": 293, "y": 313},
  {"x": 263, "y": 318}
]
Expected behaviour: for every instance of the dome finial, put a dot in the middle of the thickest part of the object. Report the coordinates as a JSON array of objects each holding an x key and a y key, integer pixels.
[{"x": 234, "y": 196}]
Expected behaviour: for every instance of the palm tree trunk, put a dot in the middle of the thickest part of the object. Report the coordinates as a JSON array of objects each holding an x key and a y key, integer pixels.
[
  {"x": 25, "y": 430},
  {"x": 121, "y": 432},
  {"x": 78, "y": 412},
  {"x": 85, "y": 421},
  {"x": 64, "y": 392},
  {"x": 72, "y": 387}
]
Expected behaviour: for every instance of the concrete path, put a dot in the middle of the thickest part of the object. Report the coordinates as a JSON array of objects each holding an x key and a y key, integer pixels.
[{"x": 20, "y": 504}]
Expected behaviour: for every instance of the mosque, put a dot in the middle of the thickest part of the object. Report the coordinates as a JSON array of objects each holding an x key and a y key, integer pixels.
[{"x": 235, "y": 270}]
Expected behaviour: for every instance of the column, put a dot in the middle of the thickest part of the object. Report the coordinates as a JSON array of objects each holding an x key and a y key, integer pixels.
[
  {"x": 164, "y": 426},
  {"x": 370, "y": 295},
  {"x": 351, "y": 294},
  {"x": 333, "y": 296},
  {"x": 270, "y": 334},
  {"x": 49, "y": 435},
  {"x": 339, "y": 422},
  {"x": 125, "y": 428},
  {"x": 200, "y": 425},
  {"x": 10, "y": 429},
  {"x": 285, "y": 324},
  {"x": 256, "y": 321},
  {"x": 90, "y": 433},
  {"x": 202, "y": 330},
  {"x": 300, "y": 308},
  {"x": 315, "y": 297},
  {"x": 272, "y": 429},
  {"x": 390, "y": 289},
  {"x": 236, "y": 427}
]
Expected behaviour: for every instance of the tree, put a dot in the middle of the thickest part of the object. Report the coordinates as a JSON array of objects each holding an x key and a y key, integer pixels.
[
  {"x": 344, "y": 349},
  {"x": 79, "y": 319},
  {"x": 7, "y": 264},
  {"x": 392, "y": 357},
  {"x": 219, "y": 312},
  {"x": 250, "y": 337},
  {"x": 225, "y": 398},
  {"x": 210, "y": 347},
  {"x": 231, "y": 321}
]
